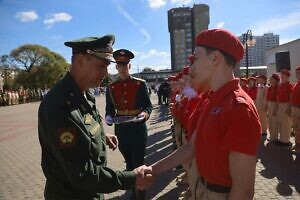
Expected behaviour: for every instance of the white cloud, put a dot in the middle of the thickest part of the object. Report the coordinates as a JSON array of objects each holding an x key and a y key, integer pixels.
[
  {"x": 147, "y": 36},
  {"x": 123, "y": 12},
  {"x": 181, "y": 2},
  {"x": 152, "y": 58},
  {"x": 277, "y": 24},
  {"x": 126, "y": 15},
  {"x": 155, "y": 4},
  {"x": 27, "y": 16},
  {"x": 220, "y": 25},
  {"x": 56, "y": 18}
]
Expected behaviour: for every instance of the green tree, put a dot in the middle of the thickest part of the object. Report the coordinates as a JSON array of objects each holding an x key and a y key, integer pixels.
[
  {"x": 28, "y": 56},
  {"x": 42, "y": 67}
]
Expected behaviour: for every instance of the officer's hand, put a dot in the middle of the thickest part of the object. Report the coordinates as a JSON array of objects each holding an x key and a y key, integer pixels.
[
  {"x": 108, "y": 120},
  {"x": 111, "y": 141},
  {"x": 144, "y": 177},
  {"x": 142, "y": 116}
]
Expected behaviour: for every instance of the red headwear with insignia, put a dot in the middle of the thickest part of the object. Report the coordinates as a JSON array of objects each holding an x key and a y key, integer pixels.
[{"x": 222, "y": 40}]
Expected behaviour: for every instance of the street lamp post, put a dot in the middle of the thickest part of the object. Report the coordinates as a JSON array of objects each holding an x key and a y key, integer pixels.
[{"x": 248, "y": 40}]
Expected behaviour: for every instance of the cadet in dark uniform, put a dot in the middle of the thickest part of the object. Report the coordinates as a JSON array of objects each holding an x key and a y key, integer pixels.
[
  {"x": 128, "y": 96},
  {"x": 70, "y": 130}
]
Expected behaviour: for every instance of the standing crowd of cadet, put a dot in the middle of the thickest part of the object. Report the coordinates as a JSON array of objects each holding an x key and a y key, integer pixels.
[
  {"x": 10, "y": 97},
  {"x": 277, "y": 101}
]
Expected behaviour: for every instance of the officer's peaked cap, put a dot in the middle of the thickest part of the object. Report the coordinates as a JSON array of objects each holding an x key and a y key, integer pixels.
[{"x": 101, "y": 47}]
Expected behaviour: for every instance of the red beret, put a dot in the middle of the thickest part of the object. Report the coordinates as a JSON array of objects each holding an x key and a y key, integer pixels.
[
  {"x": 222, "y": 40},
  {"x": 191, "y": 59},
  {"x": 297, "y": 68},
  {"x": 243, "y": 79},
  {"x": 286, "y": 72},
  {"x": 185, "y": 70},
  {"x": 179, "y": 75},
  {"x": 276, "y": 77},
  {"x": 171, "y": 78},
  {"x": 262, "y": 76}
]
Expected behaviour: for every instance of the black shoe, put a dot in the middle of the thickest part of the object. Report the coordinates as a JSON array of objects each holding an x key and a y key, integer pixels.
[{"x": 179, "y": 167}]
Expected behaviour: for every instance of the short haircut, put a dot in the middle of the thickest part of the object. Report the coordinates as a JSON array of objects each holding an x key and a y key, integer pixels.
[{"x": 228, "y": 59}]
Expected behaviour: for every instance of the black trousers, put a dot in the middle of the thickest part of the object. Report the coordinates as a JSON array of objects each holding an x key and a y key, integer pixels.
[{"x": 132, "y": 145}]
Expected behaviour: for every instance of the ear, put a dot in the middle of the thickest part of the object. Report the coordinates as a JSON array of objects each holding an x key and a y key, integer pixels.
[
  {"x": 129, "y": 66},
  {"x": 78, "y": 59},
  {"x": 216, "y": 58}
]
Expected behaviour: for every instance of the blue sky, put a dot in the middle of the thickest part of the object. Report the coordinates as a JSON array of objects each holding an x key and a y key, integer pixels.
[{"x": 139, "y": 25}]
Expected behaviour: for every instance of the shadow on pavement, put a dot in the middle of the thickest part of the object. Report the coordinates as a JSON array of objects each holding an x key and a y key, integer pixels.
[
  {"x": 279, "y": 163},
  {"x": 159, "y": 145}
]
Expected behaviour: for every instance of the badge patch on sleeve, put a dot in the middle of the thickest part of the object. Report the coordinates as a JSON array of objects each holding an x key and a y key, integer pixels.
[{"x": 66, "y": 138}]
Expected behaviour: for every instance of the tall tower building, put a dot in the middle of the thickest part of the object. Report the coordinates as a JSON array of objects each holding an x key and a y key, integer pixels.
[
  {"x": 257, "y": 53},
  {"x": 184, "y": 23}
]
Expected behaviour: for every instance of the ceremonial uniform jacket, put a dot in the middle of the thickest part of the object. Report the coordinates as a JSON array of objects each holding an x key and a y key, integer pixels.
[
  {"x": 127, "y": 97},
  {"x": 74, "y": 148}
]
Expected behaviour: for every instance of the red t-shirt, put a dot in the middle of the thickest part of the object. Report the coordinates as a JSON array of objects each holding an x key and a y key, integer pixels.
[
  {"x": 252, "y": 92},
  {"x": 284, "y": 91},
  {"x": 181, "y": 108},
  {"x": 193, "y": 118},
  {"x": 272, "y": 93},
  {"x": 229, "y": 122},
  {"x": 295, "y": 101},
  {"x": 188, "y": 110}
]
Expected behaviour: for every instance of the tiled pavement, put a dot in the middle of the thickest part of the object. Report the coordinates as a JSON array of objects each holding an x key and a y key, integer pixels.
[{"x": 278, "y": 172}]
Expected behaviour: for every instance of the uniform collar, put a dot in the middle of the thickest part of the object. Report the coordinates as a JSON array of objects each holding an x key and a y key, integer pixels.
[
  {"x": 75, "y": 95},
  {"x": 124, "y": 80},
  {"x": 217, "y": 96}
]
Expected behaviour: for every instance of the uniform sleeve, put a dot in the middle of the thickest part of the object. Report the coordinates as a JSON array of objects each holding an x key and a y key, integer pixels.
[
  {"x": 143, "y": 98},
  {"x": 109, "y": 108},
  {"x": 73, "y": 163},
  {"x": 242, "y": 132}
]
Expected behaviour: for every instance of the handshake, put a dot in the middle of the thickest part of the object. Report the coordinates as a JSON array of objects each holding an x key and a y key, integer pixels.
[{"x": 144, "y": 177}]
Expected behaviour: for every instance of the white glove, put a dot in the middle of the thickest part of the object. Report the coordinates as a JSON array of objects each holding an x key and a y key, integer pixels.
[
  {"x": 178, "y": 97},
  {"x": 189, "y": 92},
  {"x": 108, "y": 120},
  {"x": 140, "y": 117}
]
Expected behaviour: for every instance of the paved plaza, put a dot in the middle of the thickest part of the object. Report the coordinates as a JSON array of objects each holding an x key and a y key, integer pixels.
[{"x": 277, "y": 173}]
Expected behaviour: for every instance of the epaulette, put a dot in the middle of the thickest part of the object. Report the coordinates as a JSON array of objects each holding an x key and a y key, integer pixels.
[
  {"x": 138, "y": 79},
  {"x": 113, "y": 82}
]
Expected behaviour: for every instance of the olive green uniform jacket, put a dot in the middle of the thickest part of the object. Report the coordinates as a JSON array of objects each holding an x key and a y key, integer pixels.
[{"x": 73, "y": 146}]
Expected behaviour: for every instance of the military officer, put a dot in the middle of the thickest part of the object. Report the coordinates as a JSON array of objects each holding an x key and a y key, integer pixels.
[
  {"x": 128, "y": 96},
  {"x": 70, "y": 129}
]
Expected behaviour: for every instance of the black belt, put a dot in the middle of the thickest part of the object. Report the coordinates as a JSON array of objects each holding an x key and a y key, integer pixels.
[{"x": 214, "y": 187}]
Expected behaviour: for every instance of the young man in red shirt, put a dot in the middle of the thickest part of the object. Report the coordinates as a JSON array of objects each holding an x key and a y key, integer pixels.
[
  {"x": 261, "y": 102},
  {"x": 284, "y": 92},
  {"x": 226, "y": 142},
  {"x": 295, "y": 102},
  {"x": 273, "y": 107}
]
